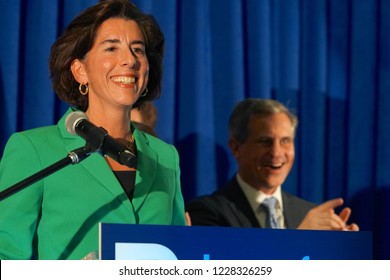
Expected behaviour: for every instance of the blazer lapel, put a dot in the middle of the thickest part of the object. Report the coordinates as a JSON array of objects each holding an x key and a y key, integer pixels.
[
  {"x": 288, "y": 212},
  {"x": 98, "y": 168},
  {"x": 241, "y": 204},
  {"x": 146, "y": 169}
]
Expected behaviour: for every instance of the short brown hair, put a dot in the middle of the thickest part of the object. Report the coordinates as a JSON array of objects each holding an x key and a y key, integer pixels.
[{"x": 240, "y": 118}]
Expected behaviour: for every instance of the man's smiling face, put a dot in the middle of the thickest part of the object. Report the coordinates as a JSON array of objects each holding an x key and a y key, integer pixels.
[{"x": 266, "y": 157}]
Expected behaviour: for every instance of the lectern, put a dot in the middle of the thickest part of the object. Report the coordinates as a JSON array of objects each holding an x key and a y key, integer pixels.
[{"x": 149, "y": 242}]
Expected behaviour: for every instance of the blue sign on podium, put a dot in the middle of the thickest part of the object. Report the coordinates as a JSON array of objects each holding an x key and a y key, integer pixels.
[{"x": 154, "y": 242}]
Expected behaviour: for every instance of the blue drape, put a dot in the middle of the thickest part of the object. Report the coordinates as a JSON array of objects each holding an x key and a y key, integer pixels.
[{"x": 329, "y": 60}]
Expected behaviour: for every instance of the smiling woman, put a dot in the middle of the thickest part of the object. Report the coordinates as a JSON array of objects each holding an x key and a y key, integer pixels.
[
  {"x": 106, "y": 62},
  {"x": 116, "y": 72},
  {"x": 119, "y": 43}
]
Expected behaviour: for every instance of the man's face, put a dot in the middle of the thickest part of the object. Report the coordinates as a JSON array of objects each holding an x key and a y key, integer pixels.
[{"x": 266, "y": 157}]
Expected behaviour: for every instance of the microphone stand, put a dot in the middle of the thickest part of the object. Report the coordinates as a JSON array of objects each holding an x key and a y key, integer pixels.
[{"x": 73, "y": 157}]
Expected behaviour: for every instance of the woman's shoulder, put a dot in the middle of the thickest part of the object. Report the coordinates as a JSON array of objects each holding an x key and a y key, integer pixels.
[
  {"x": 154, "y": 140},
  {"x": 157, "y": 144},
  {"x": 39, "y": 145},
  {"x": 36, "y": 140},
  {"x": 37, "y": 134}
]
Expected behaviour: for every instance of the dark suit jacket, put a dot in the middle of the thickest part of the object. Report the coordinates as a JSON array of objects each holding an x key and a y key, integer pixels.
[{"x": 230, "y": 207}]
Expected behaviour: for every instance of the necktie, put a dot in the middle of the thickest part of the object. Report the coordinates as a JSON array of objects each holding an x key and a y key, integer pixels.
[{"x": 269, "y": 205}]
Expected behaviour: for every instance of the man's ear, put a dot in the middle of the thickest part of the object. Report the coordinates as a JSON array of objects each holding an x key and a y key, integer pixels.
[
  {"x": 234, "y": 146},
  {"x": 78, "y": 70}
]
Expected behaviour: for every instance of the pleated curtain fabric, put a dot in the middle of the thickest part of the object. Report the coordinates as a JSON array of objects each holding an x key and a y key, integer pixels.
[{"x": 328, "y": 60}]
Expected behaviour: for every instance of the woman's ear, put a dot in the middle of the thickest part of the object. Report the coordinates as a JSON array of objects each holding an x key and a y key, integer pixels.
[{"x": 78, "y": 70}]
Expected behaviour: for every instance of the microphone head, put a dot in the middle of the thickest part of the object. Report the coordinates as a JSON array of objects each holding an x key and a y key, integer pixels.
[{"x": 73, "y": 119}]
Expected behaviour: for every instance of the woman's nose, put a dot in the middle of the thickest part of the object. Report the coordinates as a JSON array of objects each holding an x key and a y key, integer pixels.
[{"x": 130, "y": 59}]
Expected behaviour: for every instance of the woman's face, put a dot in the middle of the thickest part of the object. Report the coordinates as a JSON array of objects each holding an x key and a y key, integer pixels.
[{"x": 116, "y": 68}]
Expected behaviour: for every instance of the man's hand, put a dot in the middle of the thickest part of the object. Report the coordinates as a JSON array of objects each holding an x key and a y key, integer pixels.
[
  {"x": 188, "y": 218},
  {"x": 323, "y": 217}
]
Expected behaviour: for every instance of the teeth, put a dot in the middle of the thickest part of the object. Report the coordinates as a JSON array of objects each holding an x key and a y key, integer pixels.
[
  {"x": 124, "y": 80},
  {"x": 275, "y": 165}
]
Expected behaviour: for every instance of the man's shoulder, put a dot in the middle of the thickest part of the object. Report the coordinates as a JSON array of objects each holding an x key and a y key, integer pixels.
[
  {"x": 226, "y": 206},
  {"x": 291, "y": 199},
  {"x": 219, "y": 198}
]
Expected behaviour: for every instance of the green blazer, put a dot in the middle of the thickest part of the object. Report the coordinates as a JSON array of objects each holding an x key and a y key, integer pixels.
[{"x": 58, "y": 217}]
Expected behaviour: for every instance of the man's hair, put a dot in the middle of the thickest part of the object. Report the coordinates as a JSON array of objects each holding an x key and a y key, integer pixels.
[{"x": 240, "y": 118}]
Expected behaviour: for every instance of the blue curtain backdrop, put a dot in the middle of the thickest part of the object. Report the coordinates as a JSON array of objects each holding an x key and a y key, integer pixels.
[{"x": 329, "y": 60}]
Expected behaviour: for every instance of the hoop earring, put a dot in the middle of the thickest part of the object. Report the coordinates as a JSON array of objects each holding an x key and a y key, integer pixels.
[
  {"x": 144, "y": 93},
  {"x": 83, "y": 91}
]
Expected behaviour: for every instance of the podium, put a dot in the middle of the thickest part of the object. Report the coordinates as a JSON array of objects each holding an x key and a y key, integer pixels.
[{"x": 153, "y": 242}]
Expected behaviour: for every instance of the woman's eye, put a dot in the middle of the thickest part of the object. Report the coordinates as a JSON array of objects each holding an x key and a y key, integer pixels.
[
  {"x": 111, "y": 49},
  {"x": 137, "y": 50}
]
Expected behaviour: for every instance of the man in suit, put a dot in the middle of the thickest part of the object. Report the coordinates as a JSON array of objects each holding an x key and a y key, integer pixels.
[{"x": 261, "y": 138}]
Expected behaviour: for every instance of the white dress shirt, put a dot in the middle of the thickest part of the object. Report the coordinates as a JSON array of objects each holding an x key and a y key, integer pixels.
[{"x": 256, "y": 197}]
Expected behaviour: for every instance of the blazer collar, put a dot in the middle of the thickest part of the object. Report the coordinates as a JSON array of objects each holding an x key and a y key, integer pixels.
[{"x": 98, "y": 167}]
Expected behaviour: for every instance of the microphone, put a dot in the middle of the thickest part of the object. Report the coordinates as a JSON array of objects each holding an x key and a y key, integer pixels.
[{"x": 98, "y": 139}]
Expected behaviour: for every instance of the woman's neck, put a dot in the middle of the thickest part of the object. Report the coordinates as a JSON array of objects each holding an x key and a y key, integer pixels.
[{"x": 116, "y": 124}]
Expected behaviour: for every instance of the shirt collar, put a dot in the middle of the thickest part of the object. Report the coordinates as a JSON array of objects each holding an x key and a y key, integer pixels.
[{"x": 256, "y": 197}]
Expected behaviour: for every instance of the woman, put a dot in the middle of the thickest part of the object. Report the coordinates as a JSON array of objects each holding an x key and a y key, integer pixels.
[{"x": 107, "y": 61}]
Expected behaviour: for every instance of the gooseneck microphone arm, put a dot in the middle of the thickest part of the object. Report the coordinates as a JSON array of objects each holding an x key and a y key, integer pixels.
[{"x": 73, "y": 157}]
